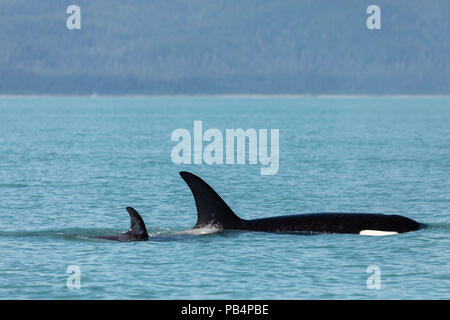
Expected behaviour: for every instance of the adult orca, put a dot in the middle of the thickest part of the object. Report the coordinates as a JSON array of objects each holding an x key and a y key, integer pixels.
[
  {"x": 212, "y": 210},
  {"x": 137, "y": 231}
]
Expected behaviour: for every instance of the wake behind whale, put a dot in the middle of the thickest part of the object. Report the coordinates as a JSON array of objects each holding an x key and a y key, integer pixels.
[{"x": 138, "y": 231}]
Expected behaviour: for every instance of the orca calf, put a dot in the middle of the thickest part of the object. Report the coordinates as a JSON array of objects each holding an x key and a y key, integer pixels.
[
  {"x": 137, "y": 231},
  {"x": 212, "y": 210}
]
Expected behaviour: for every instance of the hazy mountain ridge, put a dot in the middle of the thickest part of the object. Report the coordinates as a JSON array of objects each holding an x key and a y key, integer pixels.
[{"x": 204, "y": 46}]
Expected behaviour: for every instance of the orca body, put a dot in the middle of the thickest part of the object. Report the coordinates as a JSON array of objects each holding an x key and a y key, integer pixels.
[
  {"x": 137, "y": 231},
  {"x": 212, "y": 210}
]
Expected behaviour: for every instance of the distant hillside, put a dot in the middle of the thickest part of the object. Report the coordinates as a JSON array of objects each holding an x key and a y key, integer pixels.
[{"x": 224, "y": 46}]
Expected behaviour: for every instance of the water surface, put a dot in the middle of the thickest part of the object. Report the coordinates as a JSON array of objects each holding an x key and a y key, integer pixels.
[{"x": 70, "y": 165}]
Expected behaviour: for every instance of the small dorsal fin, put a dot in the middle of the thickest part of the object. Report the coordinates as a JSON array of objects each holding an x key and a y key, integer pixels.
[
  {"x": 137, "y": 225},
  {"x": 211, "y": 209}
]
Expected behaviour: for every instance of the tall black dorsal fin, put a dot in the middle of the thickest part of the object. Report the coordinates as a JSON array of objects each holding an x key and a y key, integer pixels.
[
  {"x": 137, "y": 225},
  {"x": 211, "y": 209}
]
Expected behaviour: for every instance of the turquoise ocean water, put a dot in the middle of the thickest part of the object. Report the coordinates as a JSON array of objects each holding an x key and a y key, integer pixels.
[{"x": 70, "y": 165}]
